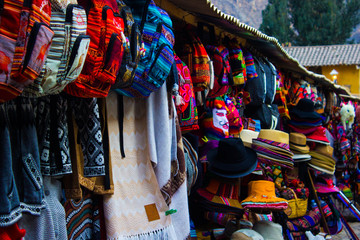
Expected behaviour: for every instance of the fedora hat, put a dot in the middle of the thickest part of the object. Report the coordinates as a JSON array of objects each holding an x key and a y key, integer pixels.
[
  {"x": 323, "y": 152},
  {"x": 269, "y": 230},
  {"x": 231, "y": 159},
  {"x": 322, "y": 168},
  {"x": 261, "y": 195},
  {"x": 247, "y": 136},
  {"x": 298, "y": 142},
  {"x": 305, "y": 109},
  {"x": 274, "y": 135}
]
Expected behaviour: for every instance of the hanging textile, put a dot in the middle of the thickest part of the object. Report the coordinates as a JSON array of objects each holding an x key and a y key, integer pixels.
[{"x": 137, "y": 208}]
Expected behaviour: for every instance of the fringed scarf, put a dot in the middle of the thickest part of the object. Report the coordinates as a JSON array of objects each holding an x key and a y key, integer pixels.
[{"x": 135, "y": 182}]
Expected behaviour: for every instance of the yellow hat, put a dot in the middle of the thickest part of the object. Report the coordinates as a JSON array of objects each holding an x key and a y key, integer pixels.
[{"x": 261, "y": 194}]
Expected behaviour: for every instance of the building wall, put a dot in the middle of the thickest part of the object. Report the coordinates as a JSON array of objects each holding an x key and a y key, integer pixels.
[{"x": 348, "y": 75}]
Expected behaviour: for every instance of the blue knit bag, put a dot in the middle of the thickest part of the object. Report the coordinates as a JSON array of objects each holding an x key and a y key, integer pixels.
[{"x": 157, "y": 43}]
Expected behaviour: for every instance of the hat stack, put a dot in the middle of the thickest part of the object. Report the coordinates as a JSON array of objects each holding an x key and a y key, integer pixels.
[
  {"x": 231, "y": 159},
  {"x": 261, "y": 195},
  {"x": 272, "y": 147},
  {"x": 304, "y": 119},
  {"x": 318, "y": 136},
  {"x": 322, "y": 160},
  {"x": 299, "y": 148},
  {"x": 227, "y": 161}
]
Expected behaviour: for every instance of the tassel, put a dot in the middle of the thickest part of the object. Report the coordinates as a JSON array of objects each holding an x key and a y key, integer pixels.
[
  {"x": 179, "y": 101},
  {"x": 125, "y": 40}
]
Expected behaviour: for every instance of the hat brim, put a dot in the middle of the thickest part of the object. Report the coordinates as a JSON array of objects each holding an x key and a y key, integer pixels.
[
  {"x": 322, "y": 157},
  {"x": 322, "y": 141},
  {"x": 234, "y": 170},
  {"x": 324, "y": 189},
  {"x": 282, "y": 151},
  {"x": 302, "y": 149},
  {"x": 219, "y": 199},
  {"x": 255, "y": 201},
  {"x": 304, "y": 115},
  {"x": 321, "y": 169}
]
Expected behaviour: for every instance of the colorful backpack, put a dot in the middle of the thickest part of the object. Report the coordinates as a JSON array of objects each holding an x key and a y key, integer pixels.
[
  {"x": 187, "y": 111},
  {"x": 196, "y": 58},
  {"x": 255, "y": 88},
  {"x": 103, "y": 60},
  {"x": 222, "y": 70},
  {"x": 158, "y": 41},
  {"x": 25, "y": 37},
  {"x": 67, "y": 52},
  {"x": 237, "y": 62},
  {"x": 131, "y": 55}
]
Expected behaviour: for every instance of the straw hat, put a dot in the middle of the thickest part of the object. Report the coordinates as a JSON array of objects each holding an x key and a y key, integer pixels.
[
  {"x": 323, "y": 152},
  {"x": 262, "y": 195},
  {"x": 274, "y": 135},
  {"x": 298, "y": 142},
  {"x": 247, "y": 136}
]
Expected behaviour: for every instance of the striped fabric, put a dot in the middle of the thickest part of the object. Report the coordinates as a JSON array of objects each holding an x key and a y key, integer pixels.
[
  {"x": 33, "y": 42},
  {"x": 18, "y": 26},
  {"x": 155, "y": 66},
  {"x": 83, "y": 218},
  {"x": 283, "y": 146},
  {"x": 250, "y": 66},
  {"x": 199, "y": 65},
  {"x": 298, "y": 226},
  {"x": 237, "y": 63},
  {"x": 67, "y": 22},
  {"x": 103, "y": 59},
  {"x": 223, "y": 76}
]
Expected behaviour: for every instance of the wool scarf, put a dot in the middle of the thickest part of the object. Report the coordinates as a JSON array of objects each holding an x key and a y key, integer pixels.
[{"x": 137, "y": 209}]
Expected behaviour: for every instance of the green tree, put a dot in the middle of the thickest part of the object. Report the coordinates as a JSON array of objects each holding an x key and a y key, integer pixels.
[
  {"x": 311, "y": 22},
  {"x": 276, "y": 21}
]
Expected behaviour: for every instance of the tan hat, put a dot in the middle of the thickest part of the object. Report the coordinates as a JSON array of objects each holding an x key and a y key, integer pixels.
[
  {"x": 274, "y": 135},
  {"x": 298, "y": 142},
  {"x": 324, "y": 169},
  {"x": 323, "y": 152},
  {"x": 247, "y": 136}
]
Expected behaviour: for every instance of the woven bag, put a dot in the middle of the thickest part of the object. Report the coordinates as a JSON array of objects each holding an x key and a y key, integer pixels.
[{"x": 297, "y": 207}]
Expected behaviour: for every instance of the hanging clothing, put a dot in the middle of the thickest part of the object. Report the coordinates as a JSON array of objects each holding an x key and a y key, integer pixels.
[
  {"x": 167, "y": 154},
  {"x": 137, "y": 208}
]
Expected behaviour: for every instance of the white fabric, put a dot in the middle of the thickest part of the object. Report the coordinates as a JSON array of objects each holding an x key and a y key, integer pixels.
[{"x": 135, "y": 184}]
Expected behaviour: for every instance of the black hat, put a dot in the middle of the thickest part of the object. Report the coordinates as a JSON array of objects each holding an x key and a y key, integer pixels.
[
  {"x": 232, "y": 159},
  {"x": 305, "y": 109}
]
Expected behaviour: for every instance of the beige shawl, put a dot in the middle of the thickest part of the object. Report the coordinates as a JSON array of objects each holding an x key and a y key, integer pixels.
[{"x": 135, "y": 184}]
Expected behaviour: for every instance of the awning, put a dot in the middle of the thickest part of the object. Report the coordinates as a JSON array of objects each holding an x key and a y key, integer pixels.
[{"x": 255, "y": 40}]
